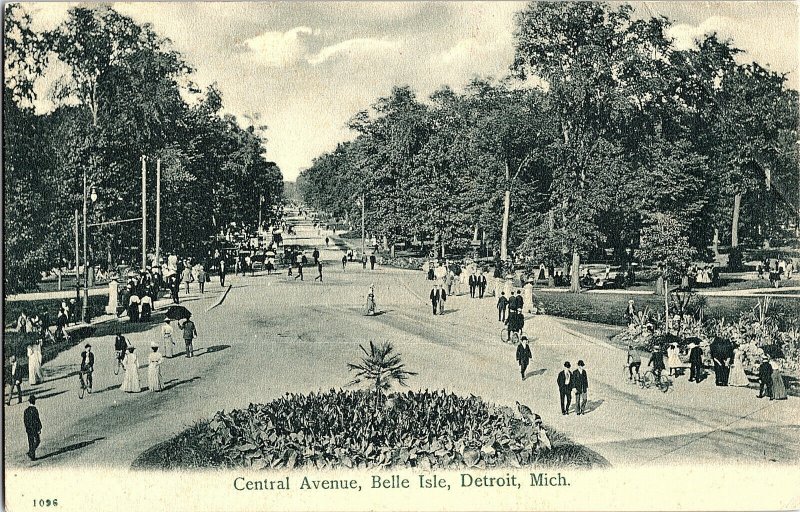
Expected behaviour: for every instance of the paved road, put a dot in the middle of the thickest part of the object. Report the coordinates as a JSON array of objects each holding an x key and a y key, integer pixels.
[{"x": 275, "y": 334}]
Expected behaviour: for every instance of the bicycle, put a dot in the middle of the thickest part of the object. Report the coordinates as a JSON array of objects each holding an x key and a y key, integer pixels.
[
  {"x": 510, "y": 337},
  {"x": 83, "y": 381},
  {"x": 649, "y": 379},
  {"x": 637, "y": 377},
  {"x": 118, "y": 366}
]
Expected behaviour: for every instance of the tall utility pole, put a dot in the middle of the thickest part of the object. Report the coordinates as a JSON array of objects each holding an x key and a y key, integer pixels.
[
  {"x": 158, "y": 212},
  {"x": 363, "y": 226},
  {"x": 77, "y": 263},
  {"x": 144, "y": 213},
  {"x": 85, "y": 308}
]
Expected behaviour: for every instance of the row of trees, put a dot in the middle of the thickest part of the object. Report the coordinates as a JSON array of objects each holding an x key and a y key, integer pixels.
[
  {"x": 603, "y": 132},
  {"x": 125, "y": 93}
]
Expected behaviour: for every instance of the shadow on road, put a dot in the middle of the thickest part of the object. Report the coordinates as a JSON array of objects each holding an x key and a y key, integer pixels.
[
  {"x": 70, "y": 448},
  {"x": 173, "y": 383},
  {"x": 109, "y": 388},
  {"x": 591, "y": 405},
  {"x": 50, "y": 395},
  {"x": 535, "y": 373}
]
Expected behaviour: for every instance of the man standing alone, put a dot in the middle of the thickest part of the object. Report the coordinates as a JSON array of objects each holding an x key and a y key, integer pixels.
[
  {"x": 564, "y": 381},
  {"x": 33, "y": 427},
  {"x": 15, "y": 380},
  {"x": 372, "y": 262},
  {"x": 581, "y": 384},
  {"x": 189, "y": 333},
  {"x": 436, "y": 295},
  {"x": 696, "y": 361},
  {"x": 222, "y": 272},
  {"x": 502, "y": 302},
  {"x": 524, "y": 355}
]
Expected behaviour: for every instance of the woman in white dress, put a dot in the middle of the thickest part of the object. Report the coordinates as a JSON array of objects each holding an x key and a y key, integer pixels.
[
  {"x": 737, "y": 376},
  {"x": 673, "y": 359},
  {"x": 166, "y": 336},
  {"x": 154, "y": 382},
  {"x": 35, "y": 363},
  {"x": 130, "y": 382}
]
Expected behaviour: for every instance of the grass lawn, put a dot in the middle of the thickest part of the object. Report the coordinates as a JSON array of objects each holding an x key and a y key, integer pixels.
[{"x": 609, "y": 308}]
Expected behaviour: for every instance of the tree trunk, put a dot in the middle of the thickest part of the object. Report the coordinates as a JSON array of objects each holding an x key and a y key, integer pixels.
[
  {"x": 666, "y": 304},
  {"x": 506, "y": 213},
  {"x": 737, "y": 204},
  {"x": 575, "y": 272}
]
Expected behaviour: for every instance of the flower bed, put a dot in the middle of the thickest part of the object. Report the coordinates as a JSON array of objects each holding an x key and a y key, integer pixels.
[{"x": 335, "y": 429}]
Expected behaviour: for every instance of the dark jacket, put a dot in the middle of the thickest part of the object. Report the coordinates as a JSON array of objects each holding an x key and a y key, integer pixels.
[
  {"x": 696, "y": 355},
  {"x": 562, "y": 381},
  {"x": 473, "y": 281},
  {"x": 87, "y": 363},
  {"x": 31, "y": 419},
  {"x": 502, "y": 302},
  {"x": 189, "y": 331},
  {"x": 580, "y": 381},
  {"x": 657, "y": 360},
  {"x": 481, "y": 281},
  {"x": 523, "y": 354},
  {"x": 765, "y": 372},
  {"x": 16, "y": 375},
  {"x": 437, "y": 295}
]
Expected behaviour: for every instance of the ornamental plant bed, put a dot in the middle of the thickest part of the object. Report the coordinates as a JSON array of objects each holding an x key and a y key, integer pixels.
[{"x": 342, "y": 429}]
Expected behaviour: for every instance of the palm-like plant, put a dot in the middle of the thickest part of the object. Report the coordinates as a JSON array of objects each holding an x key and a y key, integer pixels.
[{"x": 379, "y": 367}]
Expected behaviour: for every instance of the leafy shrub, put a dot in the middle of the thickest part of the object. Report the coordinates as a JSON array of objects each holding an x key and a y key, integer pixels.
[{"x": 425, "y": 430}]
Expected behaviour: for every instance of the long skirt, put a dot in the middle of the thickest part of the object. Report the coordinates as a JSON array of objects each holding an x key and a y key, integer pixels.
[
  {"x": 154, "y": 382},
  {"x": 778, "y": 386},
  {"x": 169, "y": 346},
  {"x": 130, "y": 382}
]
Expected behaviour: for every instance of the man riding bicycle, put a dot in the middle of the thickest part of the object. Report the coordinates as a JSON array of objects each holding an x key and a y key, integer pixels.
[
  {"x": 120, "y": 346},
  {"x": 87, "y": 367},
  {"x": 634, "y": 362},
  {"x": 657, "y": 362}
]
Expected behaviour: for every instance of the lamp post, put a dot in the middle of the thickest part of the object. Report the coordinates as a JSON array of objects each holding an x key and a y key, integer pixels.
[{"x": 86, "y": 197}]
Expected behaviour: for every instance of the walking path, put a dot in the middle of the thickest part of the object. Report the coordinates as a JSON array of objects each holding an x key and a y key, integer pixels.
[{"x": 274, "y": 335}]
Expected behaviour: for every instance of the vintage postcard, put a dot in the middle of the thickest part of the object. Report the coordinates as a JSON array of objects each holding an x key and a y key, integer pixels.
[{"x": 401, "y": 256}]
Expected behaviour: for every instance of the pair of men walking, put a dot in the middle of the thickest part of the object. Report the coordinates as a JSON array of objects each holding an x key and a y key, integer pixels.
[
  {"x": 567, "y": 381},
  {"x": 477, "y": 284},
  {"x": 438, "y": 298}
]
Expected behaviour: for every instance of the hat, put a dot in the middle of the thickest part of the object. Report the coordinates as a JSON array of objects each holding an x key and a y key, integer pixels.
[
  {"x": 525, "y": 338},
  {"x": 87, "y": 346},
  {"x": 12, "y": 359},
  {"x": 630, "y": 301},
  {"x": 167, "y": 319},
  {"x": 580, "y": 362},
  {"x": 154, "y": 344},
  {"x": 32, "y": 399}
]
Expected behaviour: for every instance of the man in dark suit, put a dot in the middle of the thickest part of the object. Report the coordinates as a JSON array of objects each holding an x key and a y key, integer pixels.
[
  {"x": 502, "y": 303},
  {"x": 87, "y": 366},
  {"x": 481, "y": 285},
  {"x": 696, "y": 362},
  {"x": 718, "y": 356},
  {"x": 726, "y": 352},
  {"x": 473, "y": 283},
  {"x": 765, "y": 378},
  {"x": 520, "y": 301},
  {"x": 436, "y": 294},
  {"x": 564, "y": 381},
  {"x": 15, "y": 379},
  {"x": 33, "y": 427},
  {"x": 581, "y": 384},
  {"x": 524, "y": 355},
  {"x": 372, "y": 260}
]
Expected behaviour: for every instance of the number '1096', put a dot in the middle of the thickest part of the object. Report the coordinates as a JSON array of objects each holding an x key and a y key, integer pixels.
[{"x": 45, "y": 503}]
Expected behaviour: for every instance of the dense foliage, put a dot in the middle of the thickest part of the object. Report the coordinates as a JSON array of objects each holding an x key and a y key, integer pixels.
[
  {"x": 605, "y": 136},
  {"x": 125, "y": 93},
  {"x": 335, "y": 429}
]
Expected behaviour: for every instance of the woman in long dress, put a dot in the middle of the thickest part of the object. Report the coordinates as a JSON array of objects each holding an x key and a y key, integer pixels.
[
  {"x": 35, "y": 363},
  {"x": 738, "y": 377},
  {"x": 169, "y": 342},
  {"x": 673, "y": 359},
  {"x": 154, "y": 382},
  {"x": 778, "y": 386},
  {"x": 130, "y": 381}
]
